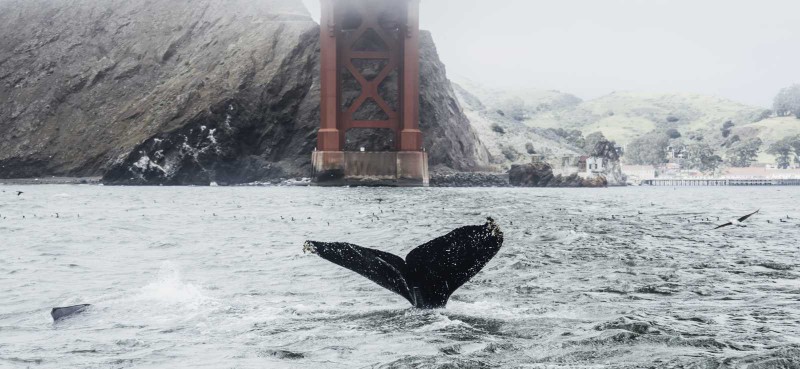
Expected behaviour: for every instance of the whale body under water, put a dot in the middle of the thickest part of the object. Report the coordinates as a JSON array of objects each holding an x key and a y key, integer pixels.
[
  {"x": 66, "y": 312},
  {"x": 430, "y": 273}
]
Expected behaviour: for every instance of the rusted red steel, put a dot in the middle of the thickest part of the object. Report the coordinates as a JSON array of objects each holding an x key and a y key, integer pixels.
[
  {"x": 328, "y": 136},
  {"x": 338, "y": 51}
]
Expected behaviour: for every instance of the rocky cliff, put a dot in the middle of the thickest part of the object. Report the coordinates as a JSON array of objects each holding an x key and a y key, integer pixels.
[{"x": 180, "y": 92}]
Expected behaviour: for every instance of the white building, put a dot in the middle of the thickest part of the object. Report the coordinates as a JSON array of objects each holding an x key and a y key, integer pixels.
[{"x": 595, "y": 165}]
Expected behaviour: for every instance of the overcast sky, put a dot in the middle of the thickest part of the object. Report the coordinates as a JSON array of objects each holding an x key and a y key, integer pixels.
[{"x": 744, "y": 50}]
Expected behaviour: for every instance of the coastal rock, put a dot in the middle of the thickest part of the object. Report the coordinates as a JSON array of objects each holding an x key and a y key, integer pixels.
[{"x": 541, "y": 175}]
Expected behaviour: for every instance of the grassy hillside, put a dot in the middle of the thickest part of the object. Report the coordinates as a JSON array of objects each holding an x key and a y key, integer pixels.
[
  {"x": 769, "y": 130},
  {"x": 623, "y": 116},
  {"x": 507, "y": 139}
]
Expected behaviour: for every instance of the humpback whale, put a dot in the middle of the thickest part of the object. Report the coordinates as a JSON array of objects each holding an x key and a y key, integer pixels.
[
  {"x": 66, "y": 312},
  {"x": 430, "y": 273}
]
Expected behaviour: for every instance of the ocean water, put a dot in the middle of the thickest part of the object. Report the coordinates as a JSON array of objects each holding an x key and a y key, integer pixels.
[{"x": 216, "y": 278}]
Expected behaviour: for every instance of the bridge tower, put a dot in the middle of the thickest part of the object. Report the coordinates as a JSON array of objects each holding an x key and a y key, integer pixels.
[{"x": 370, "y": 80}]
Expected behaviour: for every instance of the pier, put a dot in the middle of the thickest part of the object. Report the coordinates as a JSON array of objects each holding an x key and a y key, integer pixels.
[{"x": 720, "y": 182}]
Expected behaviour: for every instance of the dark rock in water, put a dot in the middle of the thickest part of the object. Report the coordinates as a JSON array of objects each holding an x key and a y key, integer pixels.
[
  {"x": 66, "y": 312},
  {"x": 430, "y": 273},
  {"x": 541, "y": 175},
  {"x": 530, "y": 175},
  {"x": 159, "y": 95}
]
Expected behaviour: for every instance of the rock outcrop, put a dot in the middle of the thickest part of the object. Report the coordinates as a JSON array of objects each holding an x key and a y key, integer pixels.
[
  {"x": 448, "y": 135},
  {"x": 541, "y": 175},
  {"x": 180, "y": 92}
]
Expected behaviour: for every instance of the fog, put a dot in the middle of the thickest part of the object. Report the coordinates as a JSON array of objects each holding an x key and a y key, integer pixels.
[{"x": 742, "y": 50}]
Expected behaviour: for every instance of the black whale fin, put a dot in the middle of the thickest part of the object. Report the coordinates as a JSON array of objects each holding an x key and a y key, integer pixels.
[
  {"x": 441, "y": 266},
  {"x": 383, "y": 268},
  {"x": 65, "y": 312},
  {"x": 430, "y": 273}
]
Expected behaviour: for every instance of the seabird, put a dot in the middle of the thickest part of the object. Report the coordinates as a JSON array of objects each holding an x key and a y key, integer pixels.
[
  {"x": 19, "y": 193},
  {"x": 738, "y": 222}
]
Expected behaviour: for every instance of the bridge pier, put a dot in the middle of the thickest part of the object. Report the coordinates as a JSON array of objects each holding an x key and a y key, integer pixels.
[{"x": 356, "y": 36}]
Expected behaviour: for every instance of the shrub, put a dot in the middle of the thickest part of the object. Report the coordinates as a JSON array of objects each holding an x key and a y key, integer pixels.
[
  {"x": 726, "y": 129},
  {"x": 529, "y": 148},
  {"x": 510, "y": 153},
  {"x": 496, "y": 128},
  {"x": 673, "y": 133}
]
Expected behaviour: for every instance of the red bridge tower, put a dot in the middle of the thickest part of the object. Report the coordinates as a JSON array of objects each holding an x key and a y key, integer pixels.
[{"x": 370, "y": 80}]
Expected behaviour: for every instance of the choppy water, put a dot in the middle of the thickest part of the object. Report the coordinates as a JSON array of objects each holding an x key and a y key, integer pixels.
[{"x": 216, "y": 278}]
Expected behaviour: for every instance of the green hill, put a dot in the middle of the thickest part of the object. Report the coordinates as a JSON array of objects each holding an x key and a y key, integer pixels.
[{"x": 623, "y": 116}]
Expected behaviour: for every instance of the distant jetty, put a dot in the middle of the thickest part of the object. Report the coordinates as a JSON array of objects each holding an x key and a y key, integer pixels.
[{"x": 707, "y": 182}]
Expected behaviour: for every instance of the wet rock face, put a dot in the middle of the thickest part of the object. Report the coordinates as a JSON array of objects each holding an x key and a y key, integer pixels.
[
  {"x": 84, "y": 83},
  {"x": 177, "y": 92}
]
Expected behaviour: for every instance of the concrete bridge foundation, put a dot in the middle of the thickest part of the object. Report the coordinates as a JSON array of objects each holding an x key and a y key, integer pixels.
[{"x": 396, "y": 169}]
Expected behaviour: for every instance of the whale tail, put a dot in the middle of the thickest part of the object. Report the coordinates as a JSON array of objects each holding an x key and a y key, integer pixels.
[{"x": 430, "y": 273}]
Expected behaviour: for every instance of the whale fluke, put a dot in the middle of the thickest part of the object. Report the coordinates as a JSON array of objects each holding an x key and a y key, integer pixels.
[
  {"x": 66, "y": 312},
  {"x": 430, "y": 273}
]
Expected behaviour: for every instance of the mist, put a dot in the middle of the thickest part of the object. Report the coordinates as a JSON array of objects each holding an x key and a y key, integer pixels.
[{"x": 741, "y": 50}]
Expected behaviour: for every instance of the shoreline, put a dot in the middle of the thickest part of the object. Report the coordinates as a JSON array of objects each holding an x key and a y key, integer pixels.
[{"x": 51, "y": 180}]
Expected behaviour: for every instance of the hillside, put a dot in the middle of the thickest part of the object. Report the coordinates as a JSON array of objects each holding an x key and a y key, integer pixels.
[
  {"x": 620, "y": 116},
  {"x": 507, "y": 139},
  {"x": 769, "y": 131},
  {"x": 179, "y": 92},
  {"x": 623, "y": 116}
]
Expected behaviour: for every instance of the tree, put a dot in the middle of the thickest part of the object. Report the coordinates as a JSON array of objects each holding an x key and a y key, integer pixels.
[
  {"x": 596, "y": 144},
  {"x": 783, "y": 152},
  {"x": 795, "y": 143},
  {"x": 742, "y": 154},
  {"x": 726, "y": 129},
  {"x": 573, "y": 137},
  {"x": 592, "y": 140},
  {"x": 673, "y": 133},
  {"x": 787, "y": 102},
  {"x": 497, "y": 129},
  {"x": 649, "y": 149},
  {"x": 529, "y": 148},
  {"x": 701, "y": 156}
]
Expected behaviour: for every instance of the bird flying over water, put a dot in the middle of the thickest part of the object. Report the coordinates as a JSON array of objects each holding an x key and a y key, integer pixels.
[
  {"x": 19, "y": 193},
  {"x": 738, "y": 222}
]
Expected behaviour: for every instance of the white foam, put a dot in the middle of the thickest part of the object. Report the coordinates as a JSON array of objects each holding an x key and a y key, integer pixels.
[{"x": 171, "y": 289}]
